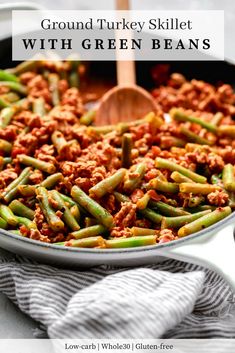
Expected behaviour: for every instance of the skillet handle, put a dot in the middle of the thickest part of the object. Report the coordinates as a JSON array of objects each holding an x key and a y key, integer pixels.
[{"x": 213, "y": 250}]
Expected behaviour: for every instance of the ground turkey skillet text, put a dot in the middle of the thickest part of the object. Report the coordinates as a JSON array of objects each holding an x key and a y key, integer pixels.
[{"x": 65, "y": 181}]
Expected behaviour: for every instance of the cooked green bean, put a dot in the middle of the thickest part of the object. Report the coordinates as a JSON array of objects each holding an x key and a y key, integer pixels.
[
  {"x": 92, "y": 231},
  {"x": 131, "y": 242},
  {"x": 92, "y": 242},
  {"x": 3, "y": 223},
  {"x": 24, "y": 66},
  {"x": 7, "y": 214},
  {"x": 26, "y": 222},
  {"x": 126, "y": 150},
  {"x": 227, "y": 130},
  {"x": 180, "y": 178},
  {"x": 176, "y": 222},
  {"x": 197, "y": 188},
  {"x": 74, "y": 79},
  {"x": 228, "y": 177},
  {"x": 11, "y": 190},
  {"x": 138, "y": 231},
  {"x": 7, "y": 76},
  {"x": 15, "y": 86},
  {"x": 195, "y": 201},
  {"x": 132, "y": 182},
  {"x": 107, "y": 185},
  {"x": 192, "y": 137},
  {"x": 120, "y": 197},
  {"x": 164, "y": 186},
  {"x": 143, "y": 201},
  {"x": 88, "y": 118},
  {"x": 58, "y": 140},
  {"x": 217, "y": 118},
  {"x": 37, "y": 163},
  {"x": 204, "y": 221},
  {"x": 39, "y": 106},
  {"x": 75, "y": 212},
  {"x": 19, "y": 209},
  {"x": 167, "y": 164},
  {"x": 53, "y": 220},
  {"x": 167, "y": 210},
  {"x": 151, "y": 215},
  {"x": 178, "y": 115},
  {"x": 100, "y": 213},
  {"x": 53, "y": 80},
  {"x": 5, "y": 146},
  {"x": 171, "y": 141},
  {"x": 67, "y": 217},
  {"x": 100, "y": 130},
  {"x": 6, "y": 115}
]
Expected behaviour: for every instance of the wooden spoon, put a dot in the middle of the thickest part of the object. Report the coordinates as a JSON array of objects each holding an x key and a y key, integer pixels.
[{"x": 126, "y": 101}]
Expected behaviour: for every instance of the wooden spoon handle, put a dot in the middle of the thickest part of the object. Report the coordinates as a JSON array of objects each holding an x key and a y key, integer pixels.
[{"x": 125, "y": 69}]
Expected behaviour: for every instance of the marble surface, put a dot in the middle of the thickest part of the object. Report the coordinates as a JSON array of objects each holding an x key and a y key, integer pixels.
[{"x": 13, "y": 323}]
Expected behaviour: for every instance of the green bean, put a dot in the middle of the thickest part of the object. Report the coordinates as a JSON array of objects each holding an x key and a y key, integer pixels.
[
  {"x": 75, "y": 212},
  {"x": 26, "y": 222},
  {"x": 132, "y": 183},
  {"x": 164, "y": 186},
  {"x": 180, "y": 178},
  {"x": 10, "y": 97},
  {"x": 58, "y": 140},
  {"x": 89, "y": 232},
  {"x": 27, "y": 190},
  {"x": 100, "y": 130},
  {"x": 7, "y": 76},
  {"x": 138, "y": 231},
  {"x": 24, "y": 67},
  {"x": 199, "y": 208},
  {"x": 178, "y": 115},
  {"x": 92, "y": 242},
  {"x": 131, "y": 242},
  {"x": 228, "y": 177},
  {"x": 167, "y": 210},
  {"x": 37, "y": 163},
  {"x": 97, "y": 211},
  {"x": 167, "y": 164},
  {"x": 67, "y": 217},
  {"x": 39, "y": 106},
  {"x": 192, "y": 137},
  {"x": 74, "y": 79},
  {"x": 143, "y": 201},
  {"x": 177, "y": 222},
  {"x": 7, "y": 214},
  {"x": 6, "y": 115},
  {"x": 5, "y": 146},
  {"x": 107, "y": 185},
  {"x": 14, "y": 86},
  {"x": 126, "y": 150},
  {"x": 48, "y": 183},
  {"x": 171, "y": 141},
  {"x": 120, "y": 197},
  {"x": 3, "y": 223},
  {"x": 217, "y": 118},
  {"x": 197, "y": 188},
  {"x": 88, "y": 118},
  {"x": 204, "y": 221},
  {"x": 53, "y": 80},
  {"x": 151, "y": 215},
  {"x": 3, "y": 103},
  {"x": 227, "y": 130},
  {"x": 11, "y": 190},
  {"x": 53, "y": 220},
  {"x": 19, "y": 209}
]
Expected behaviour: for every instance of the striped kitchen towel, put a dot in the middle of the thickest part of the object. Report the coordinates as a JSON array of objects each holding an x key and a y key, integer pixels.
[{"x": 169, "y": 300}]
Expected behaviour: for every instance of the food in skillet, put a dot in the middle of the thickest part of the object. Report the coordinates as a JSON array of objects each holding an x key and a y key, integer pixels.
[{"x": 67, "y": 182}]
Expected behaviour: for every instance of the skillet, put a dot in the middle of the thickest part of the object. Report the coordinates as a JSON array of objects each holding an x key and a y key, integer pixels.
[{"x": 212, "y": 247}]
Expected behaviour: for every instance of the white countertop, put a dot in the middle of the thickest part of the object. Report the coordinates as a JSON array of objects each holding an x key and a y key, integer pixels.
[{"x": 14, "y": 324}]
